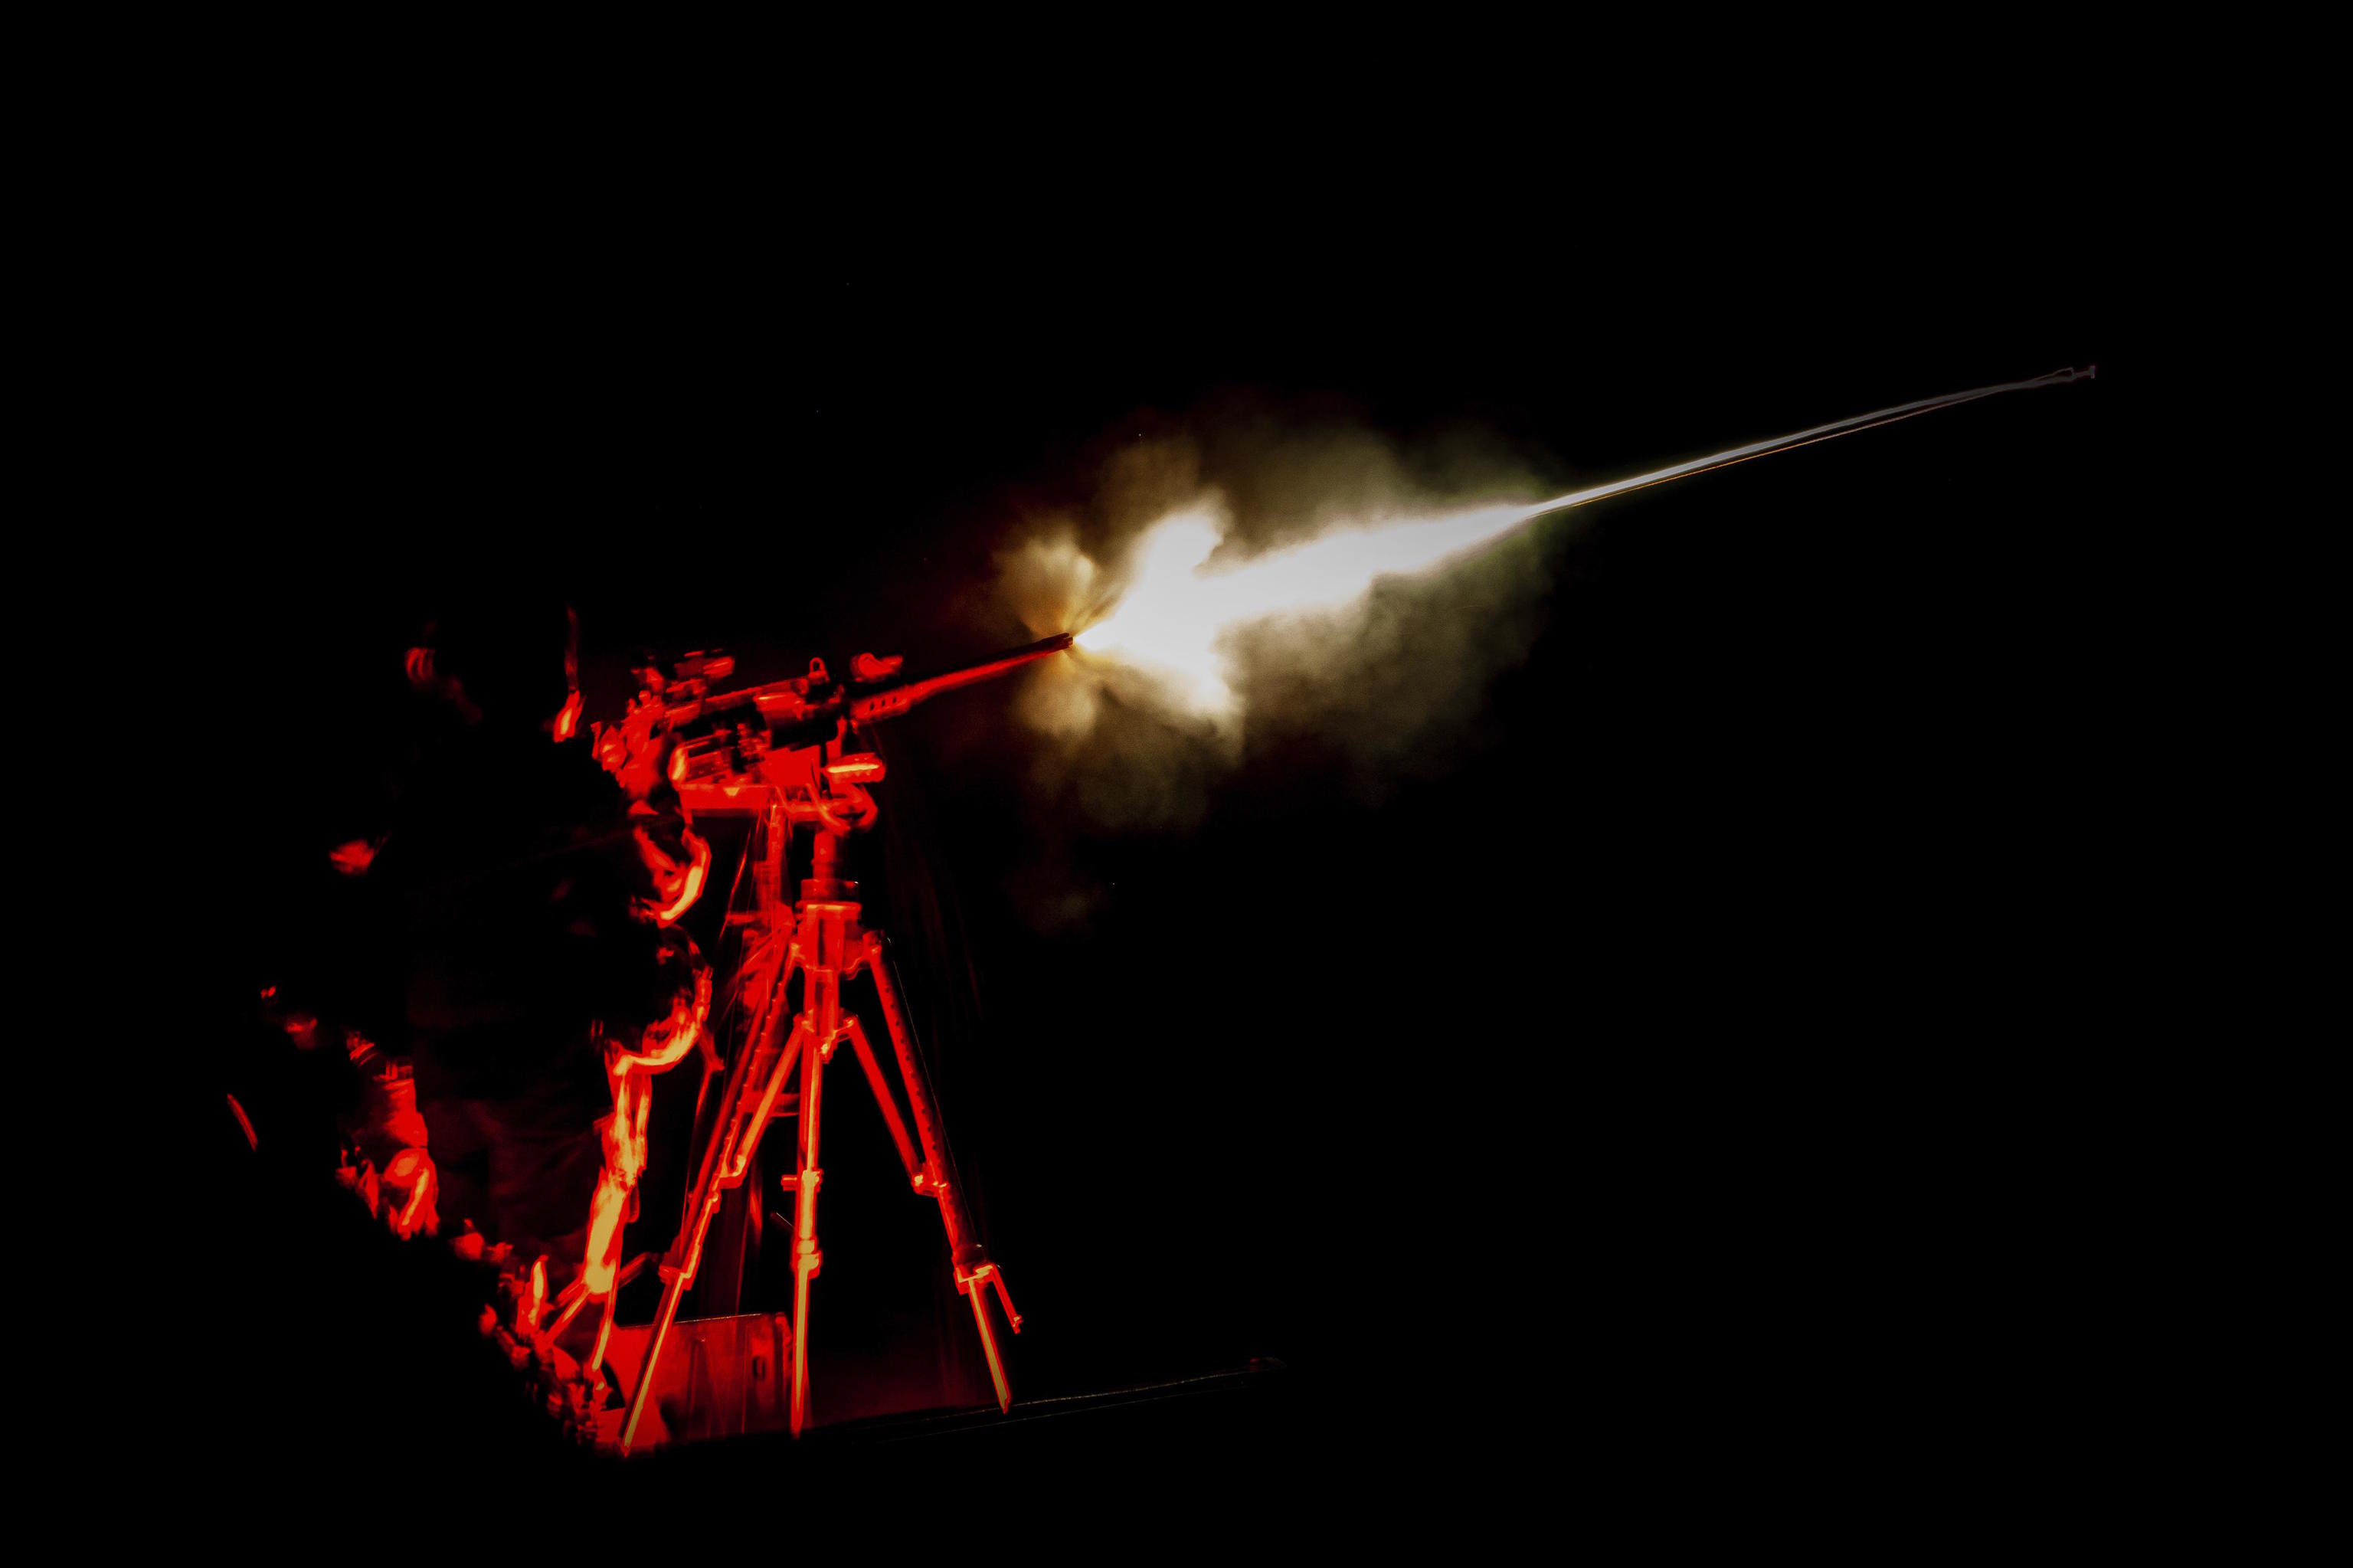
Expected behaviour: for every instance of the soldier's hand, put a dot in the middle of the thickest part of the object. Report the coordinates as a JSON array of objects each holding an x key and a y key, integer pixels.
[{"x": 411, "y": 1187}]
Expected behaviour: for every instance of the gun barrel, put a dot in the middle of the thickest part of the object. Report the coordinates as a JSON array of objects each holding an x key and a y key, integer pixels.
[{"x": 900, "y": 698}]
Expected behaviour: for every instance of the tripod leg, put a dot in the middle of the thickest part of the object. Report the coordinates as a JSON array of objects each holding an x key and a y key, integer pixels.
[
  {"x": 723, "y": 1163},
  {"x": 973, "y": 1269},
  {"x": 673, "y": 1288},
  {"x": 807, "y": 1258}
]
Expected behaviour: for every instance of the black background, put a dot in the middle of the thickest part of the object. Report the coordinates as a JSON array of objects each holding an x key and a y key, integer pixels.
[{"x": 1643, "y": 1080}]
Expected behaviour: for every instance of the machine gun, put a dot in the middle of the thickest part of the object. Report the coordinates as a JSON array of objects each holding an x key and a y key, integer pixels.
[
  {"x": 724, "y": 749},
  {"x": 787, "y": 755}
]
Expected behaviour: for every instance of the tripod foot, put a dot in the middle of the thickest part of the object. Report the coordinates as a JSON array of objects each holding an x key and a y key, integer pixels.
[
  {"x": 988, "y": 1349},
  {"x": 972, "y": 1281}
]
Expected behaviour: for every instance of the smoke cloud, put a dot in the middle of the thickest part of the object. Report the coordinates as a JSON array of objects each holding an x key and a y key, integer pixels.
[
  {"x": 1302, "y": 588},
  {"x": 1342, "y": 589}
]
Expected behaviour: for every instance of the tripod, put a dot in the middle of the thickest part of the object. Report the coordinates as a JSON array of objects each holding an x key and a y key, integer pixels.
[{"x": 821, "y": 938}]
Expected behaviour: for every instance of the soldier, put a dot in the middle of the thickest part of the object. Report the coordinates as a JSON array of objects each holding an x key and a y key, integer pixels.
[{"x": 533, "y": 897}]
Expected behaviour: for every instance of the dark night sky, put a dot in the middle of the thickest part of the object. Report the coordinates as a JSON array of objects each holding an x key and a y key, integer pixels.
[{"x": 1623, "y": 1061}]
